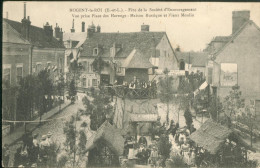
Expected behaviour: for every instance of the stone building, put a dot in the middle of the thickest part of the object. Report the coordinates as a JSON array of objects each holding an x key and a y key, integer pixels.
[
  {"x": 237, "y": 59},
  {"x": 46, "y": 51},
  {"x": 192, "y": 61},
  {"x": 135, "y": 56}
]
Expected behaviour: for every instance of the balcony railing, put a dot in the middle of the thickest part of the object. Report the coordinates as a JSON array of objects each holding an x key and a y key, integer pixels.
[{"x": 137, "y": 93}]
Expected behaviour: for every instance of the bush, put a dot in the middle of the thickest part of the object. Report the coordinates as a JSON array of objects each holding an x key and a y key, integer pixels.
[
  {"x": 62, "y": 161},
  {"x": 176, "y": 161}
]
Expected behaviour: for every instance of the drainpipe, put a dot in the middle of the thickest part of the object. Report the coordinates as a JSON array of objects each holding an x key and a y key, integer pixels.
[{"x": 30, "y": 71}]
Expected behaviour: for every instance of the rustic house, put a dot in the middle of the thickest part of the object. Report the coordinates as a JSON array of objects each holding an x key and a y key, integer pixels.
[
  {"x": 192, "y": 61},
  {"x": 105, "y": 146},
  {"x": 129, "y": 55},
  {"x": 213, "y": 137}
]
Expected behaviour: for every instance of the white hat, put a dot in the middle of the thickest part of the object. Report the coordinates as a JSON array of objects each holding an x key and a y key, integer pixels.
[
  {"x": 49, "y": 134},
  {"x": 43, "y": 137}
]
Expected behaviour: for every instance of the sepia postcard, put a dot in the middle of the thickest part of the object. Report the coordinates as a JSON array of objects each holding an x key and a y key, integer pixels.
[{"x": 130, "y": 84}]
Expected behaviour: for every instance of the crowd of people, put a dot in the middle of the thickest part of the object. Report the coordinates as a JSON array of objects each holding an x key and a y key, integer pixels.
[
  {"x": 137, "y": 89},
  {"x": 32, "y": 152}
]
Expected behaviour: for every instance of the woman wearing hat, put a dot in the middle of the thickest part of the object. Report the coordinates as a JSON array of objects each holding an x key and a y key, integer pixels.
[
  {"x": 154, "y": 156},
  {"x": 43, "y": 150},
  {"x": 48, "y": 139}
]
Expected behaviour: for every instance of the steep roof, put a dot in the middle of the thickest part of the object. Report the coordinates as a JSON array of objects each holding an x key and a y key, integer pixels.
[
  {"x": 144, "y": 41},
  {"x": 211, "y": 136},
  {"x": 197, "y": 59},
  {"x": 75, "y": 36},
  {"x": 37, "y": 36},
  {"x": 110, "y": 135},
  {"x": 10, "y": 35},
  {"x": 235, "y": 35},
  {"x": 137, "y": 60}
]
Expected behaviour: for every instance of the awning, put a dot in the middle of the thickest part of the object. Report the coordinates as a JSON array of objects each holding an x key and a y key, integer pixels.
[{"x": 203, "y": 85}]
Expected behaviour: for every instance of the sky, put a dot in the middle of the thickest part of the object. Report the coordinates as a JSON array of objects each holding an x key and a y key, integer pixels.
[{"x": 207, "y": 20}]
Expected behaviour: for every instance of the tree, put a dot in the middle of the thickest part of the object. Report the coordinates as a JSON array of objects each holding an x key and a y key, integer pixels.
[
  {"x": 99, "y": 64},
  {"x": 25, "y": 98},
  {"x": 247, "y": 117},
  {"x": 9, "y": 101},
  {"x": 188, "y": 118},
  {"x": 166, "y": 91},
  {"x": 75, "y": 152},
  {"x": 164, "y": 147},
  {"x": 60, "y": 89},
  {"x": 99, "y": 109},
  {"x": 45, "y": 90},
  {"x": 233, "y": 102},
  {"x": 72, "y": 91},
  {"x": 215, "y": 108}
]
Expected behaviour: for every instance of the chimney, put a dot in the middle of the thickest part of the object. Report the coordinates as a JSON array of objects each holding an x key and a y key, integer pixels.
[
  {"x": 91, "y": 30},
  {"x": 25, "y": 25},
  {"x": 83, "y": 26},
  {"x": 48, "y": 31},
  {"x": 72, "y": 30},
  {"x": 57, "y": 31},
  {"x": 98, "y": 29},
  {"x": 145, "y": 28},
  {"x": 6, "y": 15},
  {"x": 24, "y": 10},
  {"x": 239, "y": 18}
]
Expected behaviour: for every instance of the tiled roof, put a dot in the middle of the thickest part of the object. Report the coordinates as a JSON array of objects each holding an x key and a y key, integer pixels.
[
  {"x": 197, "y": 59},
  {"x": 137, "y": 60},
  {"x": 75, "y": 36},
  {"x": 144, "y": 41},
  {"x": 211, "y": 136},
  {"x": 221, "y": 38},
  {"x": 37, "y": 36},
  {"x": 12, "y": 36},
  {"x": 110, "y": 135}
]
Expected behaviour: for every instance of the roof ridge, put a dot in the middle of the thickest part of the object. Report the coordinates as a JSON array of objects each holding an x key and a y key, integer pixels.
[{"x": 233, "y": 36}]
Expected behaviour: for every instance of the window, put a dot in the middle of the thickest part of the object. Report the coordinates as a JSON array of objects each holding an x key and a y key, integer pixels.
[
  {"x": 84, "y": 82},
  {"x": 165, "y": 53},
  {"x": 19, "y": 73},
  {"x": 94, "y": 82},
  {"x": 88, "y": 82},
  {"x": 95, "y": 51},
  {"x": 119, "y": 69},
  {"x": 182, "y": 65},
  {"x": 7, "y": 74},
  {"x": 228, "y": 75},
  {"x": 38, "y": 67},
  {"x": 91, "y": 68}
]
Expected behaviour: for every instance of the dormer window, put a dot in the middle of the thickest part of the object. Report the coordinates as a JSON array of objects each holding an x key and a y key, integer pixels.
[{"x": 95, "y": 51}]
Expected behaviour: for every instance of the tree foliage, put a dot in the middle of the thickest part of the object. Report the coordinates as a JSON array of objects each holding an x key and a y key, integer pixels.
[
  {"x": 164, "y": 147},
  {"x": 75, "y": 152},
  {"x": 233, "y": 102},
  {"x": 99, "y": 109},
  {"x": 99, "y": 64},
  {"x": 72, "y": 91}
]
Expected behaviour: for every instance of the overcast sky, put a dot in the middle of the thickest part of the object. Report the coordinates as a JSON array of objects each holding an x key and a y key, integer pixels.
[{"x": 191, "y": 33}]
